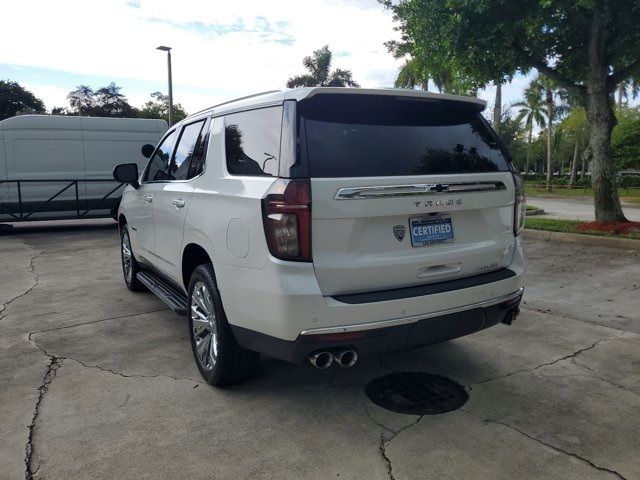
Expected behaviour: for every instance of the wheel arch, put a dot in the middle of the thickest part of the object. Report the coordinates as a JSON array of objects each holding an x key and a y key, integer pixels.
[
  {"x": 122, "y": 221},
  {"x": 193, "y": 255}
]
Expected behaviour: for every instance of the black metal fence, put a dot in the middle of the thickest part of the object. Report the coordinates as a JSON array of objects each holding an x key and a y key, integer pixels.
[{"x": 23, "y": 210}]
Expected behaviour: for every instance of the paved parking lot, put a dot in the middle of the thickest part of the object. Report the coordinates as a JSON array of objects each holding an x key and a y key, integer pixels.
[
  {"x": 576, "y": 208},
  {"x": 98, "y": 382}
]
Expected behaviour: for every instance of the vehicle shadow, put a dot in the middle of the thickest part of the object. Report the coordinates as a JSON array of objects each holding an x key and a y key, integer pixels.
[
  {"x": 452, "y": 359},
  {"x": 56, "y": 226}
]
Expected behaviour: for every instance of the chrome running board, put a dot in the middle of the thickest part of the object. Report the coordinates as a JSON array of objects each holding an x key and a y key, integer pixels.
[{"x": 174, "y": 299}]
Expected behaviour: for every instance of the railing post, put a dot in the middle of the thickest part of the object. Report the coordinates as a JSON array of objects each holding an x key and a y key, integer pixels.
[
  {"x": 19, "y": 198},
  {"x": 77, "y": 200}
]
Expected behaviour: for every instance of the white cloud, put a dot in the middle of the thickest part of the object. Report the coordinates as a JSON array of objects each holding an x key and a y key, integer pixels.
[
  {"x": 55, "y": 96},
  {"x": 227, "y": 48}
]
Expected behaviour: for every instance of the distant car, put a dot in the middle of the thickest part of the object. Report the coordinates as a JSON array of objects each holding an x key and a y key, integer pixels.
[
  {"x": 325, "y": 224},
  {"x": 46, "y": 152}
]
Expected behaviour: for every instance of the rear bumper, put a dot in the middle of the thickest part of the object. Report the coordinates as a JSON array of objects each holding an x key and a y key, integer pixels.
[
  {"x": 385, "y": 336},
  {"x": 276, "y": 309}
]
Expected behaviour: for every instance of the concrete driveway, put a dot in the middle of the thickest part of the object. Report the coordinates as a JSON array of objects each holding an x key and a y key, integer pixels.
[
  {"x": 577, "y": 208},
  {"x": 98, "y": 382}
]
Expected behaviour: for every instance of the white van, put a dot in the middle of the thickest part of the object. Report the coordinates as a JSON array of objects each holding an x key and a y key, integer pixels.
[{"x": 54, "y": 167}]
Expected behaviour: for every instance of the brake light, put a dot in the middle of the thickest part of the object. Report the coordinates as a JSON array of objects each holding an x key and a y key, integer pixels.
[
  {"x": 519, "y": 207},
  {"x": 286, "y": 214}
]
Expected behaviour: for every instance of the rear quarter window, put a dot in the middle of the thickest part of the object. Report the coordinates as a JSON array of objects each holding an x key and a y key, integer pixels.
[
  {"x": 252, "y": 142},
  {"x": 366, "y": 135}
]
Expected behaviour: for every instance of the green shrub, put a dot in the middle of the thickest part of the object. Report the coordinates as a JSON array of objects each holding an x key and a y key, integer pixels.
[
  {"x": 534, "y": 177},
  {"x": 629, "y": 181},
  {"x": 583, "y": 182},
  {"x": 561, "y": 181}
]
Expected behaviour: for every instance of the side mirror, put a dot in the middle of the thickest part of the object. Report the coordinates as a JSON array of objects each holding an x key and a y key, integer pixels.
[
  {"x": 147, "y": 150},
  {"x": 126, "y": 173}
]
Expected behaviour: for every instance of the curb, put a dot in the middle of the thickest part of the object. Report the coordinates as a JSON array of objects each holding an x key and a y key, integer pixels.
[
  {"x": 533, "y": 213},
  {"x": 579, "y": 239}
]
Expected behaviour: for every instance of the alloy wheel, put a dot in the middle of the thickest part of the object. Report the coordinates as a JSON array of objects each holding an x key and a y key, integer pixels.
[
  {"x": 203, "y": 325},
  {"x": 126, "y": 256}
]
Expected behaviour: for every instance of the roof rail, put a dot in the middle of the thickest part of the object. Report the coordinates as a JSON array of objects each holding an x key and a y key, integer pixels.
[{"x": 234, "y": 100}]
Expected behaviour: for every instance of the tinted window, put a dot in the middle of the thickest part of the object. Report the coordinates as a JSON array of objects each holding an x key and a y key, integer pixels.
[
  {"x": 364, "y": 135},
  {"x": 252, "y": 141},
  {"x": 200, "y": 153},
  {"x": 185, "y": 149},
  {"x": 158, "y": 168}
]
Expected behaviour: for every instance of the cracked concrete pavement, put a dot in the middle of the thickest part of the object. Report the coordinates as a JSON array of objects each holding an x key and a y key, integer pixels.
[{"x": 98, "y": 382}]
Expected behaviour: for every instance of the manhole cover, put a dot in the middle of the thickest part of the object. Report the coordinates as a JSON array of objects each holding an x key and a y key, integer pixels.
[{"x": 416, "y": 393}]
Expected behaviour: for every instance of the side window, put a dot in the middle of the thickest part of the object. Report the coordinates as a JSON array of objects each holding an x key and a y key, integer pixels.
[
  {"x": 252, "y": 141},
  {"x": 200, "y": 152},
  {"x": 185, "y": 150},
  {"x": 158, "y": 169}
]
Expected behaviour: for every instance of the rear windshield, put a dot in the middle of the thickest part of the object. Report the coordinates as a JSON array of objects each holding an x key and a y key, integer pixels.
[{"x": 366, "y": 135}]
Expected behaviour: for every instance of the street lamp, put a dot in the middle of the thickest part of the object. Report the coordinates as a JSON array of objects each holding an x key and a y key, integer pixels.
[{"x": 168, "y": 50}]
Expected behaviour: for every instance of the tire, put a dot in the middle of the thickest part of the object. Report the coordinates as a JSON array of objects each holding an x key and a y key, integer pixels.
[
  {"x": 221, "y": 361},
  {"x": 130, "y": 267}
]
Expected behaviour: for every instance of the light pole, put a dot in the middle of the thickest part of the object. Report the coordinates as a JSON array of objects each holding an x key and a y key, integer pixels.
[{"x": 168, "y": 50}]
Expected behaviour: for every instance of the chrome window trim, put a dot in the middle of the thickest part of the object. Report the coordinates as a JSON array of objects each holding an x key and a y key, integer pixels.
[
  {"x": 181, "y": 128},
  {"x": 406, "y": 320},
  {"x": 386, "y": 191}
]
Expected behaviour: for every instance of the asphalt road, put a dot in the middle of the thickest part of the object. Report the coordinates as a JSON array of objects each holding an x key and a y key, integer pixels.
[
  {"x": 576, "y": 208},
  {"x": 98, "y": 382}
]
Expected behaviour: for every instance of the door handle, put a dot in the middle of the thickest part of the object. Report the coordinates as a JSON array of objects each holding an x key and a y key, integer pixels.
[
  {"x": 177, "y": 202},
  {"x": 148, "y": 198}
]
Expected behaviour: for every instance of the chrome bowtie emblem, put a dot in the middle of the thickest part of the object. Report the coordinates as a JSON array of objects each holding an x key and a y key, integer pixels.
[{"x": 398, "y": 231}]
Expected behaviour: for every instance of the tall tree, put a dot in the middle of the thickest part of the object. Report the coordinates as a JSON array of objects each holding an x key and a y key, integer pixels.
[
  {"x": 514, "y": 137},
  {"x": 531, "y": 110},
  {"x": 544, "y": 86},
  {"x": 158, "y": 107},
  {"x": 104, "y": 102},
  {"x": 576, "y": 128},
  {"x": 320, "y": 74},
  {"x": 81, "y": 100},
  {"x": 15, "y": 99},
  {"x": 588, "y": 47}
]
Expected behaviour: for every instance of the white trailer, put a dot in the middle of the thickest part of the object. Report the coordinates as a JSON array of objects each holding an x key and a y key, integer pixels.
[{"x": 57, "y": 167}]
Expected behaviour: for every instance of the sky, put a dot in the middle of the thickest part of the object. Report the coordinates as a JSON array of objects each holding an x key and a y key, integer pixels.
[{"x": 220, "y": 50}]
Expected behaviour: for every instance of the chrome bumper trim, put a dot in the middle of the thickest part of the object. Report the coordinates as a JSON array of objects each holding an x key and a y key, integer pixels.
[{"x": 416, "y": 318}]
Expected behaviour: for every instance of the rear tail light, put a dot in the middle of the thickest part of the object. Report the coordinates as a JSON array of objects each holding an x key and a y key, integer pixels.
[
  {"x": 520, "y": 206},
  {"x": 286, "y": 213}
]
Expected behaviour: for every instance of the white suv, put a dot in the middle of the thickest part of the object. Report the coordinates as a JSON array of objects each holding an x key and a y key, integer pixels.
[{"x": 326, "y": 223}]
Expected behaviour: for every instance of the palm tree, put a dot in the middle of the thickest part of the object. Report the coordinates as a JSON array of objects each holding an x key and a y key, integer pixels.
[
  {"x": 629, "y": 86},
  {"x": 320, "y": 75},
  {"x": 410, "y": 75},
  {"x": 531, "y": 110},
  {"x": 544, "y": 86}
]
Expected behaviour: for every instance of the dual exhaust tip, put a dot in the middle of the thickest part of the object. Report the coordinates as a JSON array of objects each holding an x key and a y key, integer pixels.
[{"x": 323, "y": 359}]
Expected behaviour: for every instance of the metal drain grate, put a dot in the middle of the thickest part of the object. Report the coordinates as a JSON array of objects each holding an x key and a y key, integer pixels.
[{"x": 416, "y": 393}]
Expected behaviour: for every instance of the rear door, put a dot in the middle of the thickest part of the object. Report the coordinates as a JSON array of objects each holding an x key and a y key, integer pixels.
[
  {"x": 404, "y": 192},
  {"x": 173, "y": 198}
]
